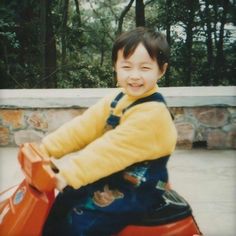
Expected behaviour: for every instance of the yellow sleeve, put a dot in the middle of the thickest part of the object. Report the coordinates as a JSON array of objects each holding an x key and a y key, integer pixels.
[
  {"x": 146, "y": 132},
  {"x": 77, "y": 133}
]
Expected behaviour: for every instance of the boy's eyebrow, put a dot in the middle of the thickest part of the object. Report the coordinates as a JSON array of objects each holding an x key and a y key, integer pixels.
[{"x": 127, "y": 61}]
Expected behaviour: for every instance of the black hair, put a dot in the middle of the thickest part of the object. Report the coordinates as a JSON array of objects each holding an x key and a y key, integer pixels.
[{"x": 154, "y": 42}]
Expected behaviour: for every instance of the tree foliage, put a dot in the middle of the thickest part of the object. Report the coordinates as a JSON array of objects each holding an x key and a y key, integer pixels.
[{"x": 67, "y": 43}]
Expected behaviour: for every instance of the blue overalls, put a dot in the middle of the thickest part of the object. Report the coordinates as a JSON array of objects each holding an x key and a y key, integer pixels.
[{"x": 105, "y": 207}]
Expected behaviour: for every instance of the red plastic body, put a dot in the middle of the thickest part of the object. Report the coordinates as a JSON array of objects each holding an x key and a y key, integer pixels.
[
  {"x": 185, "y": 227},
  {"x": 25, "y": 211}
]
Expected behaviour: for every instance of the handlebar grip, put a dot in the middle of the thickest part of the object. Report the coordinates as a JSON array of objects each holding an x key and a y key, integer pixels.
[{"x": 36, "y": 167}]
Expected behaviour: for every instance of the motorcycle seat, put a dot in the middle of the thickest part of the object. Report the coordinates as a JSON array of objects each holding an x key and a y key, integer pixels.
[{"x": 173, "y": 208}]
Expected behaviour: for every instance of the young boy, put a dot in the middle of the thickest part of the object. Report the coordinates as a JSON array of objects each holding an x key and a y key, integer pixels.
[{"x": 120, "y": 171}]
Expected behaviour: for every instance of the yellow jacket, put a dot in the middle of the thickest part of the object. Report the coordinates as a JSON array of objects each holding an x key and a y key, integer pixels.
[{"x": 146, "y": 132}]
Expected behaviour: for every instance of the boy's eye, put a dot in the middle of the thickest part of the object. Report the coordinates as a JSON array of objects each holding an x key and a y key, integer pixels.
[
  {"x": 126, "y": 67},
  {"x": 146, "y": 68}
]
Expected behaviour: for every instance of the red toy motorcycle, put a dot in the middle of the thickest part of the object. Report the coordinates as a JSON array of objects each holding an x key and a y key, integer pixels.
[{"x": 25, "y": 211}]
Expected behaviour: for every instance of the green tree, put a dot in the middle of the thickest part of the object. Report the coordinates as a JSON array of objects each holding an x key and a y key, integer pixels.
[
  {"x": 139, "y": 13},
  {"x": 67, "y": 44},
  {"x": 48, "y": 47}
]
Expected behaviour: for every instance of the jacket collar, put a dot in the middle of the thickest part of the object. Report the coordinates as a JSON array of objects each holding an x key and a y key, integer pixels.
[{"x": 151, "y": 91}]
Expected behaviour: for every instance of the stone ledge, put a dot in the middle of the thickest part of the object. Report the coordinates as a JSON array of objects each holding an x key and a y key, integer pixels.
[
  {"x": 204, "y": 116},
  {"x": 76, "y": 98}
]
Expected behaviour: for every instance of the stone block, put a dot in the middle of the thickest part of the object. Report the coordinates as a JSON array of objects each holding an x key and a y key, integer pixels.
[
  {"x": 231, "y": 140},
  {"x": 37, "y": 120},
  {"x": 4, "y": 136},
  {"x": 230, "y": 127},
  {"x": 216, "y": 139},
  {"x": 179, "y": 118},
  {"x": 177, "y": 110},
  {"x": 24, "y": 136},
  {"x": 212, "y": 117},
  {"x": 12, "y": 118},
  {"x": 186, "y": 133},
  {"x": 232, "y": 112},
  {"x": 200, "y": 134}
]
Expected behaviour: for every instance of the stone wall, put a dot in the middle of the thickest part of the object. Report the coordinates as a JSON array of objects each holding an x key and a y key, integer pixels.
[
  {"x": 206, "y": 127},
  {"x": 30, "y": 125},
  {"x": 203, "y": 118}
]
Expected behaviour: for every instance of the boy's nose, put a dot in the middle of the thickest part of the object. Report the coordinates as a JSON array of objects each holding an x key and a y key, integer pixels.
[{"x": 135, "y": 75}]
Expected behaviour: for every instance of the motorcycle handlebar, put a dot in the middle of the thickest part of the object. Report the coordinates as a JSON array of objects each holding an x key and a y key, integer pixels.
[{"x": 36, "y": 167}]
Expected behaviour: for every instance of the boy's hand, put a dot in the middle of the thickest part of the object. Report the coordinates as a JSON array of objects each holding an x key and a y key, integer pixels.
[{"x": 60, "y": 180}]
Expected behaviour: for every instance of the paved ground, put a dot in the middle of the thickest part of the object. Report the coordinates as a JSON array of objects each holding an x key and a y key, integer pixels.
[{"x": 206, "y": 179}]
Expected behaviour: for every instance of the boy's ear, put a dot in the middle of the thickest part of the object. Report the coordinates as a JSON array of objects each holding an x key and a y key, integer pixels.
[
  {"x": 163, "y": 71},
  {"x": 165, "y": 66}
]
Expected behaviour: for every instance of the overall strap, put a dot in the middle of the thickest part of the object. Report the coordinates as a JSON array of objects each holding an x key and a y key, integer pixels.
[
  {"x": 114, "y": 120},
  {"x": 155, "y": 97},
  {"x": 117, "y": 99}
]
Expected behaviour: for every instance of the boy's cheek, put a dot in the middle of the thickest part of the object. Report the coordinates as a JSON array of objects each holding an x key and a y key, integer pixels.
[{"x": 122, "y": 74}]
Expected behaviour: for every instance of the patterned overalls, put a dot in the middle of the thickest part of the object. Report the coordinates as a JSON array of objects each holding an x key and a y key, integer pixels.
[{"x": 106, "y": 206}]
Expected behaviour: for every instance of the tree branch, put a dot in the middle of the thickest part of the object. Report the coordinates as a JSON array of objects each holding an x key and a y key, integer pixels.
[{"x": 122, "y": 16}]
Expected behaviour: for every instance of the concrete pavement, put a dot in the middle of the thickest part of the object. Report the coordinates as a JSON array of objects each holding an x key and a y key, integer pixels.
[{"x": 205, "y": 178}]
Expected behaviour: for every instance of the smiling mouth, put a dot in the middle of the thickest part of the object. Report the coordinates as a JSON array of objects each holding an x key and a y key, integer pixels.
[{"x": 135, "y": 85}]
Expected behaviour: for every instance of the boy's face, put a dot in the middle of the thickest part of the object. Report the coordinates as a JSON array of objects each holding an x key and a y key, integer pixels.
[{"x": 138, "y": 73}]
